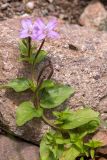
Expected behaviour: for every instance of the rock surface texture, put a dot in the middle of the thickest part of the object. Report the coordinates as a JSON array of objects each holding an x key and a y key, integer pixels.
[
  {"x": 80, "y": 60},
  {"x": 13, "y": 149}
]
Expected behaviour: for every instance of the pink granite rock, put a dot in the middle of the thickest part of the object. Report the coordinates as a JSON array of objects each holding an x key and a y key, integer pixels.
[
  {"x": 94, "y": 16},
  {"x": 79, "y": 58},
  {"x": 15, "y": 149}
]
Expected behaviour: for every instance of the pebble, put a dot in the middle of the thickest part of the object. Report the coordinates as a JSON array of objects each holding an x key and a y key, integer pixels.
[
  {"x": 50, "y": 1},
  {"x": 51, "y": 8},
  {"x": 30, "y": 5},
  {"x": 25, "y": 15},
  {"x": 4, "y": 6},
  {"x": 45, "y": 12},
  {"x": 1, "y": 16}
]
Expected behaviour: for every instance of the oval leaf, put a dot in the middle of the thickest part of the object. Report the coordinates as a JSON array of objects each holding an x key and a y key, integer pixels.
[
  {"x": 19, "y": 84},
  {"x": 23, "y": 47},
  {"x": 47, "y": 84},
  {"x": 25, "y": 112},
  {"x": 55, "y": 95},
  {"x": 80, "y": 118}
]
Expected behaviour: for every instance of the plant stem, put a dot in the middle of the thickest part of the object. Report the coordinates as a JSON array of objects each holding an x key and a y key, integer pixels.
[
  {"x": 47, "y": 121},
  {"x": 36, "y": 102},
  {"x": 33, "y": 65},
  {"x": 39, "y": 50},
  {"x": 33, "y": 73},
  {"x": 29, "y": 46}
]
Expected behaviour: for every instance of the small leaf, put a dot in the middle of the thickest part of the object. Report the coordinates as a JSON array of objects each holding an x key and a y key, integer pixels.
[
  {"x": 25, "y": 112},
  {"x": 92, "y": 153},
  {"x": 44, "y": 149},
  {"x": 45, "y": 152},
  {"x": 94, "y": 144},
  {"x": 76, "y": 135},
  {"x": 82, "y": 158},
  {"x": 79, "y": 144},
  {"x": 70, "y": 154},
  {"x": 27, "y": 59},
  {"x": 55, "y": 149},
  {"x": 47, "y": 84},
  {"x": 19, "y": 84},
  {"x": 32, "y": 60},
  {"x": 23, "y": 48},
  {"x": 41, "y": 56},
  {"x": 55, "y": 96},
  {"x": 33, "y": 85}
]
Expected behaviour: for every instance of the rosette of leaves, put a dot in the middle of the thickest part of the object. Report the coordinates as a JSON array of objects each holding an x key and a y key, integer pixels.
[{"x": 69, "y": 142}]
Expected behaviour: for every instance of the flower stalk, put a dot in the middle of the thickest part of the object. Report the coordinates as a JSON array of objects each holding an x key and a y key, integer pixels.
[
  {"x": 39, "y": 50},
  {"x": 47, "y": 121},
  {"x": 29, "y": 47}
]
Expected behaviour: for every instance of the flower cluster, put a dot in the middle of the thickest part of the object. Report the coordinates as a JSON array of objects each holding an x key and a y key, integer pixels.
[{"x": 38, "y": 30}]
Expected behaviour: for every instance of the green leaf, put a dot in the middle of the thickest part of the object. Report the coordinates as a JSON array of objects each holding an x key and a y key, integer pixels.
[
  {"x": 55, "y": 96},
  {"x": 19, "y": 84},
  {"x": 42, "y": 54},
  {"x": 22, "y": 47},
  {"x": 44, "y": 149},
  {"x": 53, "y": 145},
  {"x": 76, "y": 135},
  {"x": 94, "y": 144},
  {"x": 92, "y": 153},
  {"x": 82, "y": 158},
  {"x": 26, "y": 111},
  {"x": 90, "y": 127},
  {"x": 32, "y": 85},
  {"x": 45, "y": 152},
  {"x": 80, "y": 132},
  {"x": 79, "y": 145},
  {"x": 70, "y": 154},
  {"x": 32, "y": 60},
  {"x": 47, "y": 84},
  {"x": 79, "y": 118}
]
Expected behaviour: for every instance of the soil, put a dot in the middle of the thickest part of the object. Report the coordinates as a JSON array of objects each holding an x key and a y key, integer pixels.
[{"x": 69, "y": 10}]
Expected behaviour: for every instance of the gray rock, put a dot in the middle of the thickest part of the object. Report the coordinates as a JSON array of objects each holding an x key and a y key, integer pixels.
[
  {"x": 79, "y": 58},
  {"x": 14, "y": 149}
]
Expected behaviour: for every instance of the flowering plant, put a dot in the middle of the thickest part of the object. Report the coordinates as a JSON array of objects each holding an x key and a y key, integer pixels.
[{"x": 66, "y": 138}]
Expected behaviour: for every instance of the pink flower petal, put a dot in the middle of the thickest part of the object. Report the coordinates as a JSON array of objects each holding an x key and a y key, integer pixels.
[
  {"x": 52, "y": 24},
  {"x": 24, "y": 34},
  {"x": 39, "y": 24},
  {"x": 53, "y": 34},
  {"x": 41, "y": 37},
  {"x": 26, "y": 23}
]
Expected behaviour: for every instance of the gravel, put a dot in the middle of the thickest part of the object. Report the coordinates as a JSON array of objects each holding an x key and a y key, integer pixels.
[{"x": 68, "y": 10}]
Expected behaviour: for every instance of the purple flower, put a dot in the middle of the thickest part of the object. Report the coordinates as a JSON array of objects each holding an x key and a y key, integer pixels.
[
  {"x": 27, "y": 28},
  {"x": 42, "y": 31}
]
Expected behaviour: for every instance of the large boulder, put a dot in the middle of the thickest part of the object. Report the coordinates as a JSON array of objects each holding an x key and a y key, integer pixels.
[{"x": 79, "y": 58}]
